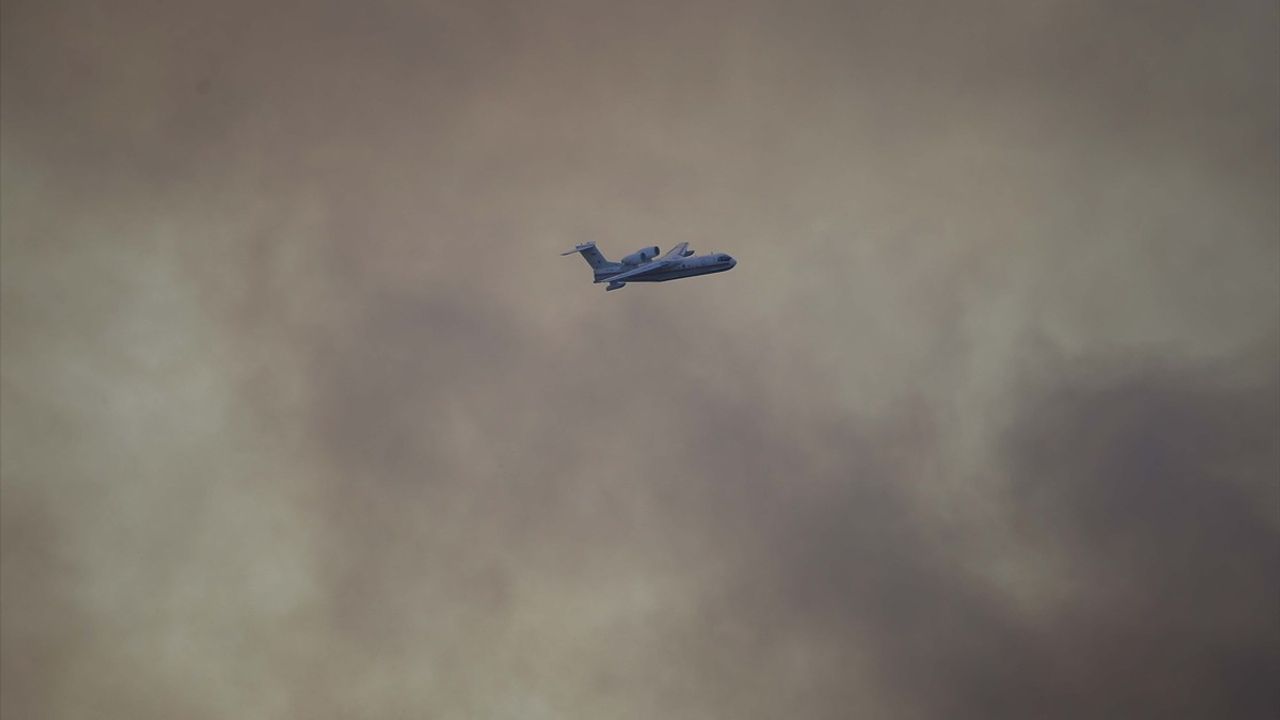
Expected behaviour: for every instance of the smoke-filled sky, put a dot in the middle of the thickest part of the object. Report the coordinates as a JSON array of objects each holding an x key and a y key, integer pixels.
[{"x": 304, "y": 416}]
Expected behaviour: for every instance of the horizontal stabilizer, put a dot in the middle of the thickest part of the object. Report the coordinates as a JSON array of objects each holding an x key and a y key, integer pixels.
[{"x": 579, "y": 248}]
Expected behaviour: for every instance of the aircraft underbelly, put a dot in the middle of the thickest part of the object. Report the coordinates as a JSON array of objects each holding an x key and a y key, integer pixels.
[{"x": 677, "y": 274}]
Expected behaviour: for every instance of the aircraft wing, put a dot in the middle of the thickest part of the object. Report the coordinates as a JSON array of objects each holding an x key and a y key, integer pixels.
[
  {"x": 675, "y": 253},
  {"x": 654, "y": 266}
]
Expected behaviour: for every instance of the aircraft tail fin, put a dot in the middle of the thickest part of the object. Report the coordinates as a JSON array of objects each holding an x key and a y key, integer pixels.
[{"x": 591, "y": 254}]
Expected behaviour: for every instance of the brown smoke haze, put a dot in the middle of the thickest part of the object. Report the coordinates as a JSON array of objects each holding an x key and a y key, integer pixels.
[{"x": 305, "y": 417}]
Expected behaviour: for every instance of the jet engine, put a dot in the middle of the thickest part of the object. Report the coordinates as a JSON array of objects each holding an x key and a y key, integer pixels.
[{"x": 641, "y": 256}]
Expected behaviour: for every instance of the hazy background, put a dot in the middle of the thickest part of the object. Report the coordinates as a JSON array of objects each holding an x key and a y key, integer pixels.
[{"x": 304, "y": 416}]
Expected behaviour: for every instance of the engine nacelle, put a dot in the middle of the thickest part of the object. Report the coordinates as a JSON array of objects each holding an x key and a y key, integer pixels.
[{"x": 641, "y": 256}]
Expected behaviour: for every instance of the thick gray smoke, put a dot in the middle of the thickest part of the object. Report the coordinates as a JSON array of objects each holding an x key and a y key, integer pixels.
[{"x": 304, "y": 416}]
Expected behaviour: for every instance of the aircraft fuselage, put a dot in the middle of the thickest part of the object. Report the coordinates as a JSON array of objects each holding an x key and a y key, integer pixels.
[
  {"x": 688, "y": 267},
  {"x": 644, "y": 265}
]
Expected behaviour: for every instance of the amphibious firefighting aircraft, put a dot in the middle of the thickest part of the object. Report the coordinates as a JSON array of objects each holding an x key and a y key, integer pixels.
[{"x": 645, "y": 266}]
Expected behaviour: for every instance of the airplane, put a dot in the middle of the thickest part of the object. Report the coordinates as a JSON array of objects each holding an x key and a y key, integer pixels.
[{"x": 645, "y": 266}]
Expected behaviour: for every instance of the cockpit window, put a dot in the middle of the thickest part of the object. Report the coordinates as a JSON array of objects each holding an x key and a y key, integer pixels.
[{"x": 722, "y": 258}]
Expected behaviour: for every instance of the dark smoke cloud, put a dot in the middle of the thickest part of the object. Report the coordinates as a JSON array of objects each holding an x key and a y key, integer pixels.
[
  {"x": 303, "y": 416},
  {"x": 1148, "y": 488}
]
